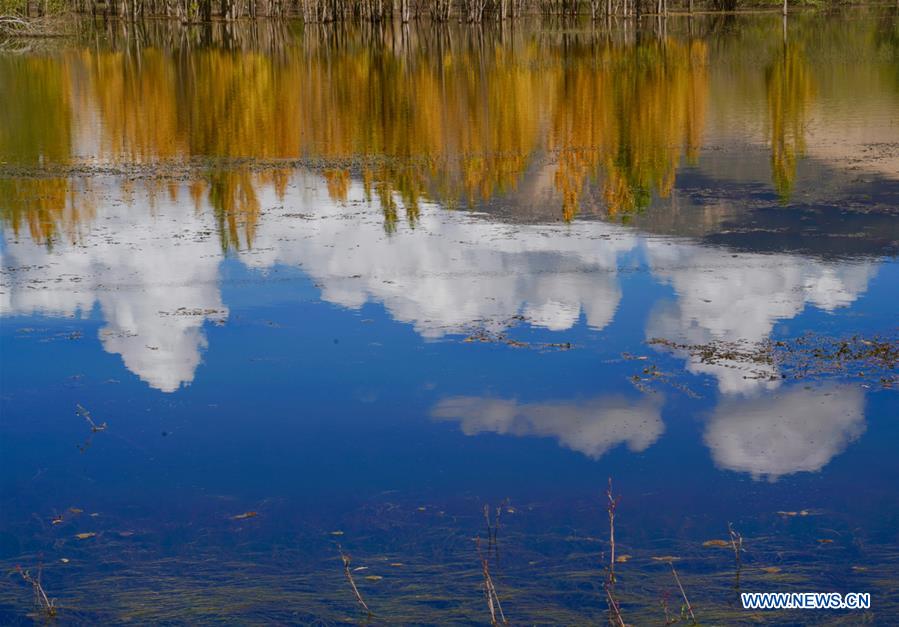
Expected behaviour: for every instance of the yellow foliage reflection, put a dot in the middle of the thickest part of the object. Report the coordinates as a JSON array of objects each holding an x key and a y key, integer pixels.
[
  {"x": 36, "y": 128},
  {"x": 627, "y": 115},
  {"x": 790, "y": 91},
  {"x": 456, "y": 116}
]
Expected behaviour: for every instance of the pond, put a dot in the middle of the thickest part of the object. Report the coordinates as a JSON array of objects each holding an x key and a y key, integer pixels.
[{"x": 275, "y": 295}]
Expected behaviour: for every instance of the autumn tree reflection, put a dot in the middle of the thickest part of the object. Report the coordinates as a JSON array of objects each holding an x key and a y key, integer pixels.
[
  {"x": 36, "y": 110},
  {"x": 625, "y": 116},
  {"x": 790, "y": 90},
  {"x": 457, "y": 118}
]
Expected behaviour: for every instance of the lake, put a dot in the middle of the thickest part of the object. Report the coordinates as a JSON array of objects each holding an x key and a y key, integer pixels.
[{"x": 275, "y": 295}]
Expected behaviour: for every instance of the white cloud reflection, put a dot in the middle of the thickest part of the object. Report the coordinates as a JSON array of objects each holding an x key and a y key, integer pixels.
[
  {"x": 141, "y": 267},
  {"x": 785, "y": 432},
  {"x": 738, "y": 297},
  {"x": 453, "y": 270},
  {"x": 154, "y": 272},
  {"x": 591, "y": 427}
]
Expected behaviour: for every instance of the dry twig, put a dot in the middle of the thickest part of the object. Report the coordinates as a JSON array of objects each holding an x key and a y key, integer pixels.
[
  {"x": 615, "y": 617},
  {"x": 683, "y": 594},
  {"x": 493, "y": 603},
  {"x": 95, "y": 428},
  {"x": 45, "y": 603},
  {"x": 736, "y": 541},
  {"x": 349, "y": 577}
]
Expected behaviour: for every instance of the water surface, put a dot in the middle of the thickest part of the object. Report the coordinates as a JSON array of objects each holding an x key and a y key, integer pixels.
[{"x": 361, "y": 283}]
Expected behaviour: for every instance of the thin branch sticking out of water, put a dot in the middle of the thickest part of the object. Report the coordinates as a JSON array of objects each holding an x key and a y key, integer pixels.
[
  {"x": 493, "y": 603},
  {"x": 44, "y": 602},
  {"x": 349, "y": 577},
  {"x": 493, "y": 528},
  {"x": 736, "y": 541},
  {"x": 683, "y": 593},
  {"x": 615, "y": 617}
]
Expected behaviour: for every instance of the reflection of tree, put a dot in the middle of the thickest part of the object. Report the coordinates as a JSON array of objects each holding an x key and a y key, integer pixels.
[
  {"x": 886, "y": 37},
  {"x": 36, "y": 111},
  {"x": 626, "y": 115},
  {"x": 456, "y": 120},
  {"x": 36, "y": 130},
  {"x": 234, "y": 200},
  {"x": 790, "y": 91}
]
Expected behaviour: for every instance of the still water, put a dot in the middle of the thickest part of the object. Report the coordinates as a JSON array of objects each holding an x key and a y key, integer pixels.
[{"x": 339, "y": 289}]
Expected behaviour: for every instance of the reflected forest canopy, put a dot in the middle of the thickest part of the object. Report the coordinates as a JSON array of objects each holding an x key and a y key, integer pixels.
[{"x": 603, "y": 120}]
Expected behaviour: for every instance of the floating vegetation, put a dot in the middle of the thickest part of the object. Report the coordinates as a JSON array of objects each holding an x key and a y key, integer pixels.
[
  {"x": 717, "y": 543},
  {"x": 792, "y": 514},
  {"x": 651, "y": 374},
  {"x": 496, "y": 332},
  {"x": 869, "y": 359},
  {"x": 202, "y": 312},
  {"x": 501, "y": 338},
  {"x": 872, "y": 359},
  {"x": 95, "y": 428},
  {"x": 86, "y": 535},
  {"x": 245, "y": 516}
]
